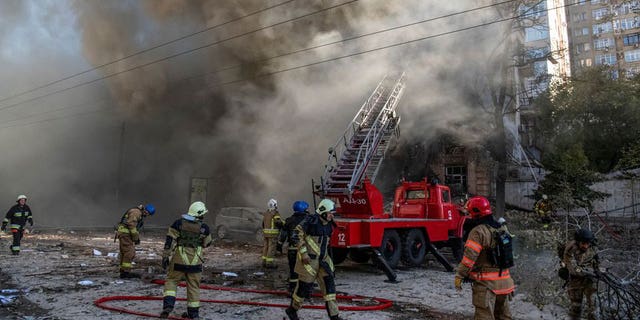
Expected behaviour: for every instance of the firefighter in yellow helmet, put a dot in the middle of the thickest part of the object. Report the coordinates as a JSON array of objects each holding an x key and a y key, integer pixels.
[
  {"x": 492, "y": 285},
  {"x": 128, "y": 235},
  {"x": 183, "y": 257},
  {"x": 271, "y": 225},
  {"x": 17, "y": 218},
  {"x": 314, "y": 263},
  {"x": 544, "y": 210}
]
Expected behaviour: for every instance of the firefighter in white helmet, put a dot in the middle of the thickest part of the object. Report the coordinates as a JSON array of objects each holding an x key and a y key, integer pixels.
[
  {"x": 183, "y": 257},
  {"x": 271, "y": 225},
  {"x": 17, "y": 218},
  {"x": 314, "y": 262}
]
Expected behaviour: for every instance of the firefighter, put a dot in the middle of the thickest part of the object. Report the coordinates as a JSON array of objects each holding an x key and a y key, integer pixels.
[
  {"x": 581, "y": 260},
  {"x": 271, "y": 225},
  {"x": 17, "y": 218},
  {"x": 182, "y": 256},
  {"x": 492, "y": 285},
  {"x": 313, "y": 261},
  {"x": 128, "y": 235},
  {"x": 288, "y": 235},
  {"x": 543, "y": 209}
]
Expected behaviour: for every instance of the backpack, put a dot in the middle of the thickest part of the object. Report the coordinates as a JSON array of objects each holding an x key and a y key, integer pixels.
[{"x": 503, "y": 251}]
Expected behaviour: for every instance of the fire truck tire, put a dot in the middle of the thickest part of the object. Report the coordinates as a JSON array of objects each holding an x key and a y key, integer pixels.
[
  {"x": 391, "y": 248},
  {"x": 457, "y": 248},
  {"x": 338, "y": 255},
  {"x": 414, "y": 248},
  {"x": 359, "y": 256}
]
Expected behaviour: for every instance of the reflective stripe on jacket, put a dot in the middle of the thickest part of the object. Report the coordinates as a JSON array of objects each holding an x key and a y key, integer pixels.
[{"x": 271, "y": 223}]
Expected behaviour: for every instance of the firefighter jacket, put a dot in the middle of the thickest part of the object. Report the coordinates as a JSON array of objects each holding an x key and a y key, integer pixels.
[
  {"x": 184, "y": 243},
  {"x": 131, "y": 222},
  {"x": 271, "y": 223},
  {"x": 17, "y": 217},
  {"x": 580, "y": 263},
  {"x": 314, "y": 235},
  {"x": 477, "y": 263},
  {"x": 288, "y": 233}
]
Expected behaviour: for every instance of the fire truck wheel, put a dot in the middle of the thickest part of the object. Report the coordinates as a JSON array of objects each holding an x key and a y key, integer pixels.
[
  {"x": 391, "y": 248},
  {"x": 457, "y": 248},
  {"x": 414, "y": 248},
  {"x": 359, "y": 256},
  {"x": 338, "y": 255}
]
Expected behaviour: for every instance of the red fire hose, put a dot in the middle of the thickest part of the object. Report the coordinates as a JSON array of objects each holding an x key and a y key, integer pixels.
[{"x": 102, "y": 302}]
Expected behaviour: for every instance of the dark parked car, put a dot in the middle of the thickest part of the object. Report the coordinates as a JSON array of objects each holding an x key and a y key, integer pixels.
[{"x": 240, "y": 223}]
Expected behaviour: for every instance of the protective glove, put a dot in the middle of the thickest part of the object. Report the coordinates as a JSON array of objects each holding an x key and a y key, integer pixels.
[
  {"x": 279, "y": 247},
  {"x": 306, "y": 259},
  {"x": 165, "y": 263},
  {"x": 458, "y": 283},
  {"x": 136, "y": 241}
]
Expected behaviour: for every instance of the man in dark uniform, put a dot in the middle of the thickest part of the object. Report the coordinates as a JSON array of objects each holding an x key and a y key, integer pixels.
[
  {"x": 17, "y": 218},
  {"x": 314, "y": 263},
  {"x": 288, "y": 234}
]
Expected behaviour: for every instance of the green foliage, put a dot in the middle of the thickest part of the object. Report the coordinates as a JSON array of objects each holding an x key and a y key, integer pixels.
[
  {"x": 569, "y": 178},
  {"x": 630, "y": 157},
  {"x": 596, "y": 111}
]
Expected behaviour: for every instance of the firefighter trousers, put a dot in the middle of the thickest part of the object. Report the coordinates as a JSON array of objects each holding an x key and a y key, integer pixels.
[
  {"x": 292, "y": 256},
  {"x": 490, "y": 306},
  {"x": 127, "y": 251},
  {"x": 269, "y": 251},
  {"x": 321, "y": 272},
  {"x": 17, "y": 237},
  {"x": 193, "y": 287}
]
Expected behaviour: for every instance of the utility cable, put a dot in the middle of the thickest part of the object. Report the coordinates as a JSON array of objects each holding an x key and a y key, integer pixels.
[
  {"x": 362, "y": 52},
  {"x": 180, "y": 54},
  {"x": 146, "y": 50}
]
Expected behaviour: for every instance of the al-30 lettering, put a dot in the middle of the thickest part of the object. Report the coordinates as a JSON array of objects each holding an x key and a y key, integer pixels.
[{"x": 354, "y": 201}]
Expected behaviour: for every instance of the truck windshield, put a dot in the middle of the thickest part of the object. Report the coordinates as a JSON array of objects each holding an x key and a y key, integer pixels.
[{"x": 415, "y": 194}]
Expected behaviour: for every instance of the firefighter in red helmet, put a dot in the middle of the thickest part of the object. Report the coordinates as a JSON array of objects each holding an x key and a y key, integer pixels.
[{"x": 492, "y": 283}]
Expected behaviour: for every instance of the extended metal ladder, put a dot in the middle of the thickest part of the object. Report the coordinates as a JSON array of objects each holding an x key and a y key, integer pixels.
[{"x": 359, "y": 153}]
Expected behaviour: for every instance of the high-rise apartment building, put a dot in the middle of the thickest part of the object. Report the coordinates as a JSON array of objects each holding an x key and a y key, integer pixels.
[{"x": 605, "y": 32}]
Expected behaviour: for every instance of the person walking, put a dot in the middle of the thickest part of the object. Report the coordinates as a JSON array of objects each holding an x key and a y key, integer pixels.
[
  {"x": 183, "y": 257},
  {"x": 17, "y": 218},
  {"x": 492, "y": 284},
  {"x": 271, "y": 225},
  {"x": 313, "y": 261},
  {"x": 128, "y": 235},
  {"x": 288, "y": 235}
]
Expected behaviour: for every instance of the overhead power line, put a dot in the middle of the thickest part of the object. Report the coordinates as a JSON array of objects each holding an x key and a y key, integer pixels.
[
  {"x": 164, "y": 44},
  {"x": 387, "y": 46},
  {"x": 179, "y": 54}
]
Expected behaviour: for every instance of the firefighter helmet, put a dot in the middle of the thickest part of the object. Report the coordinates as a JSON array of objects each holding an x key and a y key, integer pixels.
[
  {"x": 300, "y": 206},
  {"x": 150, "y": 208},
  {"x": 585, "y": 236},
  {"x": 544, "y": 197},
  {"x": 325, "y": 206},
  {"x": 478, "y": 207},
  {"x": 272, "y": 204},
  {"x": 20, "y": 197},
  {"x": 197, "y": 209}
]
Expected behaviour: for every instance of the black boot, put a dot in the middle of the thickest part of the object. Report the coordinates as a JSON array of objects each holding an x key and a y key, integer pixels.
[
  {"x": 167, "y": 306},
  {"x": 193, "y": 313},
  {"x": 336, "y": 317},
  {"x": 128, "y": 275},
  {"x": 291, "y": 313}
]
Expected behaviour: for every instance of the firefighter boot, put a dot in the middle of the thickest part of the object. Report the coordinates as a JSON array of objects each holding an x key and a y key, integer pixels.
[
  {"x": 291, "y": 313},
  {"x": 128, "y": 275},
  {"x": 192, "y": 313},
  {"x": 336, "y": 317},
  {"x": 167, "y": 306}
]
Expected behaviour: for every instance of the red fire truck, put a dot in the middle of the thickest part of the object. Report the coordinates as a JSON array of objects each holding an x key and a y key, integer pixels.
[{"x": 423, "y": 217}]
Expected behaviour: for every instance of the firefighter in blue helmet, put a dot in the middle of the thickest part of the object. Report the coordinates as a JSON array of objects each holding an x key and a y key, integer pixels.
[
  {"x": 313, "y": 260},
  {"x": 128, "y": 235},
  {"x": 183, "y": 257},
  {"x": 288, "y": 234},
  {"x": 17, "y": 218}
]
